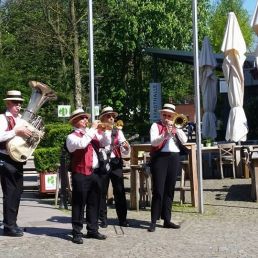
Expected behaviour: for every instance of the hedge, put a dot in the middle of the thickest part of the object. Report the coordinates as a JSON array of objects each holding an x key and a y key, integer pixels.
[
  {"x": 47, "y": 159},
  {"x": 47, "y": 155}
]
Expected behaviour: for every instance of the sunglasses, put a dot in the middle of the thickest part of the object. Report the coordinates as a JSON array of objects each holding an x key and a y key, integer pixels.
[
  {"x": 16, "y": 102},
  {"x": 109, "y": 116},
  {"x": 165, "y": 115}
]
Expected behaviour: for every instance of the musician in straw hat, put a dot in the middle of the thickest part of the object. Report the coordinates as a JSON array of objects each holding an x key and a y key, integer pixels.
[
  {"x": 86, "y": 185},
  {"x": 165, "y": 165},
  {"x": 115, "y": 138},
  {"x": 11, "y": 172}
]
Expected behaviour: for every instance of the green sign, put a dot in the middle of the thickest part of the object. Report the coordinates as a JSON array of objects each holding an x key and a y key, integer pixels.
[{"x": 64, "y": 110}]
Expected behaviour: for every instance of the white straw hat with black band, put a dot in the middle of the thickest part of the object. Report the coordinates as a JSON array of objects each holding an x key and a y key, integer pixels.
[
  {"x": 79, "y": 112},
  {"x": 14, "y": 95},
  {"x": 170, "y": 108},
  {"x": 107, "y": 110}
]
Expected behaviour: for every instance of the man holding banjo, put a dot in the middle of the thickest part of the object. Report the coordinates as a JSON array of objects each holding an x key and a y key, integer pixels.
[{"x": 11, "y": 171}]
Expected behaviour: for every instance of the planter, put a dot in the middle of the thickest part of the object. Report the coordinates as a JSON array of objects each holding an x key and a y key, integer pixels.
[
  {"x": 208, "y": 144},
  {"x": 47, "y": 182}
]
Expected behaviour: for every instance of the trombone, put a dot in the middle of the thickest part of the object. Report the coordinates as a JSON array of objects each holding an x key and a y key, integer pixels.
[{"x": 179, "y": 121}]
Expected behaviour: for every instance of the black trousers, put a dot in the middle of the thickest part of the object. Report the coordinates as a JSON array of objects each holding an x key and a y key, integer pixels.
[
  {"x": 86, "y": 193},
  {"x": 117, "y": 180},
  {"x": 165, "y": 168},
  {"x": 11, "y": 173}
]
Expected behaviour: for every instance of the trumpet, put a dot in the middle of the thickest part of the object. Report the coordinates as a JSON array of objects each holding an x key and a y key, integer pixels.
[
  {"x": 102, "y": 126},
  {"x": 119, "y": 124}
]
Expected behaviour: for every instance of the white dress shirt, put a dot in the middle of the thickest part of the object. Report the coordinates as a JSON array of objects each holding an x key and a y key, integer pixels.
[
  {"x": 107, "y": 142},
  {"x": 6, "y": 135},
  {"x": 73, "y": 142},
  {"x": 170, "y": 146}
]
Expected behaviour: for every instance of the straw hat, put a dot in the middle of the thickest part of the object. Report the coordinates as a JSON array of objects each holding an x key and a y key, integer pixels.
[
  {"x": 14, "y": 95},
  {"x": 107, "y": 110},
  {"x": 170, "y": 108},
  {"x": 79, "y": 112}
]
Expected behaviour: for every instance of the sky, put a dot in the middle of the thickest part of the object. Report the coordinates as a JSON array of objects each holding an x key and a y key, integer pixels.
[{"x": 249, "y": 5}]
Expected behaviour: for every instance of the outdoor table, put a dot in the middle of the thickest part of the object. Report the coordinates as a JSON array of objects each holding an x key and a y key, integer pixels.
[
  {"x": 134, "y": 195},
  {"x": 238, "y": 157},
  {"x": 237, "y": 154}
]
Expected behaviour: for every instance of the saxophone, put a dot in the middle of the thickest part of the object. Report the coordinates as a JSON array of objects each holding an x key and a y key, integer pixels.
[{"x": 21, "y": 148}]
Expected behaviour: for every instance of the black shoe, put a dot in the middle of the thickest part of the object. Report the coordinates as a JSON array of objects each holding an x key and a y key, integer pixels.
[
  {"x": 18, "y": 229},
  {"x": 96, "y": 235},
  {"x": 77, "y": 239},
  {"x": 13, "y": 232},
  {"x": 171, "y": 225},
  {"x": 124, "y": 223},
  {"x": 152, "y": 227},
  {"x": 103, "y": 224}
]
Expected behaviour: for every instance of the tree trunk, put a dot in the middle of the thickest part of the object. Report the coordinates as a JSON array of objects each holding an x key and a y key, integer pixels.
[{"x": 76, "y": 60}]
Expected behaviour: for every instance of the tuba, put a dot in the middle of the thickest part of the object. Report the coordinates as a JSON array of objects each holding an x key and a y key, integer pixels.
[{"x": 20, "y": 148}]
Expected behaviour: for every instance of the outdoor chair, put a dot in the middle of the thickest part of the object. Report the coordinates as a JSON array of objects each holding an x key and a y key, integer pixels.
[{"x": 226, "y": 157}]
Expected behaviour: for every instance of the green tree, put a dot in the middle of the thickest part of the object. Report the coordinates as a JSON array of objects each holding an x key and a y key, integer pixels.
[{"x": 219, "y": 18}]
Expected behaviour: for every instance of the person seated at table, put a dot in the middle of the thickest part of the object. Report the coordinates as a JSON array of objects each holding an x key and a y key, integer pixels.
[{"x": 165, "y": 165}]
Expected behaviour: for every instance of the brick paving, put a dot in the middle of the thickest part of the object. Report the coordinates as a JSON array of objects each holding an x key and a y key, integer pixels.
[{"x": 228, "y": 228}]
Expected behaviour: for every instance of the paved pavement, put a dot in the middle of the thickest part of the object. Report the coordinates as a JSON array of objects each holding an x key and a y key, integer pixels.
[{"x": 228, "y": 228}]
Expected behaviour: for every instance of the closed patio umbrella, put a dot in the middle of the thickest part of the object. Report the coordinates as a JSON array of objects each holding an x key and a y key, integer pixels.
[
  {"x": 208, "y": 82},
  {"x": 234, "y": 49}
]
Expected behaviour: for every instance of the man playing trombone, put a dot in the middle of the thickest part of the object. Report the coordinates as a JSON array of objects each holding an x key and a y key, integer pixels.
[{"x": 165, "y": 164}]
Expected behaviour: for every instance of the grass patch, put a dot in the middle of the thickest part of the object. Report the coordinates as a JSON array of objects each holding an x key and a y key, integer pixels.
[{"x": 186, "y": 207}]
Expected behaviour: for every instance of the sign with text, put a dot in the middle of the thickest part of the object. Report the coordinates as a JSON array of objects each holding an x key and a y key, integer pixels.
[
  {"x": 155, "y": 101},
  {"x": 64, "y": 110},
  {"x": 96, "y": 110}
]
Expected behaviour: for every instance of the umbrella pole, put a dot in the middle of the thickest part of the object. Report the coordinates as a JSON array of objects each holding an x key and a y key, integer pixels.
[{"x": 197, "y": 106}]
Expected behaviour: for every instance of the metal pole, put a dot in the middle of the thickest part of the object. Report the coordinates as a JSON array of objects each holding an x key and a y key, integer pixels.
[
  {"x": 197, "y": 105},
  {"x": 91, "y": 61}
]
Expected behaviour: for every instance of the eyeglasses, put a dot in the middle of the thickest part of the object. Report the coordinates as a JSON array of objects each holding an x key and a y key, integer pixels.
[
  {"x": 109, "y": 116},
  {"x": 16, "y": 102},
  {"x": 166, "y": 115}
]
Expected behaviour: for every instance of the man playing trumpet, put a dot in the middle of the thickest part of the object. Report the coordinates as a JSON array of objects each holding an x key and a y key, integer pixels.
[
  {"x": 165, "y": 165},
  {"x": 86, "y": 182},
  {"x": 116, "y": 144}
]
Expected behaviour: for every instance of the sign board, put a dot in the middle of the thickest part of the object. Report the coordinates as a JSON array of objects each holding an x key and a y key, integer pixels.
[
  {"x": 97, "y": 110},
  {"x": 64, "y": 110},
  {"x": 155, "y": 101},
  {"x": 50, "y": 182}
]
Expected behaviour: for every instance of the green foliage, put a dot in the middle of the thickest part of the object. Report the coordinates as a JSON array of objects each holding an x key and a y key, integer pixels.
[
  {"x": 55, "y": 135},
  {"x": 219, "y": 18},
  {"x": 47, "y": 159},
  {"x": 47, "y": 156}
]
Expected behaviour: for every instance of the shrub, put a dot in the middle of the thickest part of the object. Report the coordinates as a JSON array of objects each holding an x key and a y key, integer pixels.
[
  {"x": 47, "y": 159},
  {"x": 47, "y": 155}
]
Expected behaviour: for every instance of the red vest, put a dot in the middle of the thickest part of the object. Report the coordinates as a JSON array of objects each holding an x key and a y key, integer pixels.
[
  {"x": 10, "y": 126},
  {"x": 82, "y": 159},
  {"x": 162, "y": 129},
  {"x": 116, "y": 150}
]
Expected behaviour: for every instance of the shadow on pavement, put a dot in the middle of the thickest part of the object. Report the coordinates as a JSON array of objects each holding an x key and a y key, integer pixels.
[{"x": 48, "y": 231}]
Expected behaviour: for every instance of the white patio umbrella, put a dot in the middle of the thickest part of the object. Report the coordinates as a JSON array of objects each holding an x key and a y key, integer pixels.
[
  {"x": 208, "y": 82},
  {"x": 234, "y": 49}
]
